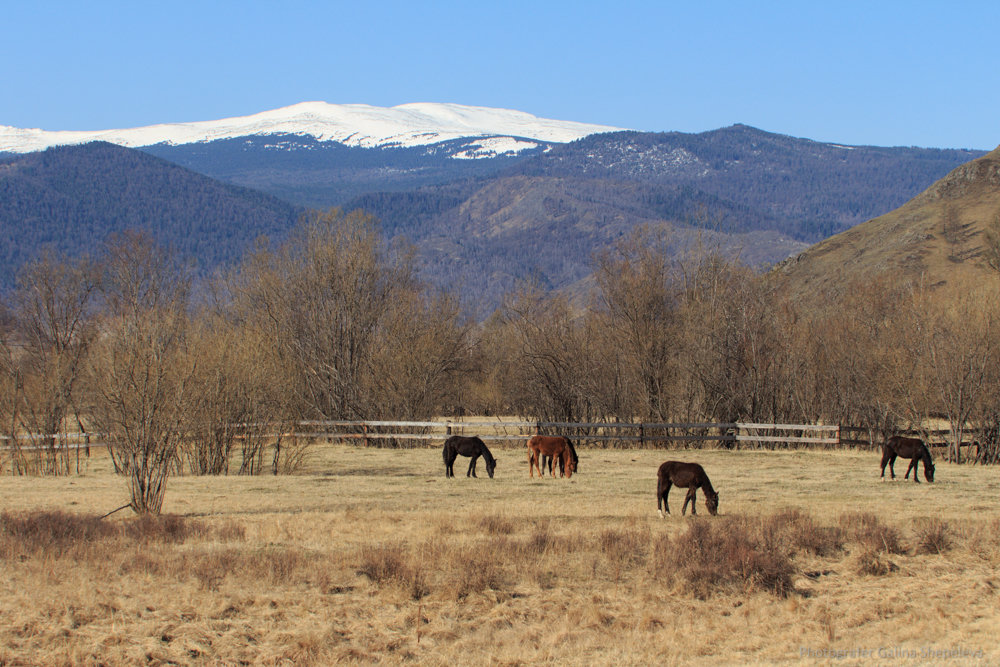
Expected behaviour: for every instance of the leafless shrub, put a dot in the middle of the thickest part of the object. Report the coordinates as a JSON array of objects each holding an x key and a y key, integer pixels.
[
  {"x": 479, "y": 568},
  {"x": 715, "y": 554},
  {"x": 50, "y": 532},
  {"x": 871, "y": 534},
  {"x": 933, "y": 536},
  {"x": 800, "y": 532},
  {"x": 628, "y": 547}
]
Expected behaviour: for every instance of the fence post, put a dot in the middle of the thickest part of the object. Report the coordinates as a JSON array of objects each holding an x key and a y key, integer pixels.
[
  {"x": 642, "y": 435},
  {"x": 364, "y": 428}
]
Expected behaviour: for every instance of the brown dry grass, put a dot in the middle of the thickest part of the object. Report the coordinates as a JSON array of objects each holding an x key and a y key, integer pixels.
[{"x": 373, "y": 556}]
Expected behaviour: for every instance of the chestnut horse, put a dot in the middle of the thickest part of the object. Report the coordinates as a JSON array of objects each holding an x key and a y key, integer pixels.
[
  {"x": 466, "y": 446},
  {"x": 547, "y": 461},
  {"x": 557, "y": 447},
  {"x": 690, "y": 475},
  {"x": 909, "y": 448}
]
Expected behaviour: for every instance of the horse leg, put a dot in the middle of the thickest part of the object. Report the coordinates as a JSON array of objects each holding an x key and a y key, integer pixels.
[
  {"x": 892, "y": 461},
  {"x": 885, "y": 460},
  {"x": 689, "y": 498},
  {"x": 532, "y": 463},
  {"x": 552, "y": 470},
  {"x": 472, "y": 466},
  {"x": 913, "y": 466},
  {"x": 449, "y": 465},
  {"x": 661, "y": 494}
]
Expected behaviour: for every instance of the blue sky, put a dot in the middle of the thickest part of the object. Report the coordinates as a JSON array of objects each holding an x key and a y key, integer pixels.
[{"x": 889, "y": 73}]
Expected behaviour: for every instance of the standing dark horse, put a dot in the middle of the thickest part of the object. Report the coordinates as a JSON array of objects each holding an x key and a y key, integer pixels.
[
  {"x": 547, "y": 460},
  {"x": 690, "y": 475},
  {"x": 467, "y": 446},
  {"x": 909, "y": 448},
  {"x": 555, "y": 446}
]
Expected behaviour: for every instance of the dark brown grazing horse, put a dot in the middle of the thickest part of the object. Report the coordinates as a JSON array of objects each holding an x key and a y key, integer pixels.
[
  {"x": 467, "y": 446},
  {"x": 550, "y": 445},
  {"x": 690, "y": 475},
  {"x": 909, "y": 448}
]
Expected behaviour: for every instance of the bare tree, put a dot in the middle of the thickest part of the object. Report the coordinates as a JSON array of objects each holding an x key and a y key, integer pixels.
[
  {"x": 323, "y": 298},
  {"x": 957, "y": 351},
  {"x": 640, "y": 286},
  {"x": 52, "y": 309},
  {"x": 143, "y": 371}
]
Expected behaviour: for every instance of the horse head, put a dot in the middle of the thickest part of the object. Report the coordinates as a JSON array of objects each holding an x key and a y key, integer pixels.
[
  {"x": 570, "y": 464},
  {"x": 712, "y": 502},
  {"x": 491, "y": 465},
  {"x": 928, "y": 470}
]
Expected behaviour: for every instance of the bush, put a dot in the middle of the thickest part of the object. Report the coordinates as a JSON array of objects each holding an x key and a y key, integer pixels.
[
  {"x": 52, "y": 532},
  {"x": 871, "y": 534},
  {"x": 733, "y": 552},
  {"x": 933, "y": 536}
]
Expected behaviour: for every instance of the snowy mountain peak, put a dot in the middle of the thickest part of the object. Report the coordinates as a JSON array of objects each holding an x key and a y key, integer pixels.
[{"x": 491, "y": 131}]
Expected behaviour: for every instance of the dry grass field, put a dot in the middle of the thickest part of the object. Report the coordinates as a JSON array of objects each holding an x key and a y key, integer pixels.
[{"x": 372, "y": 555}]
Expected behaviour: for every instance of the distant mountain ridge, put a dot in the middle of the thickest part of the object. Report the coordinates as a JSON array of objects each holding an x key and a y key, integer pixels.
[
  {"x": 480, "y": 225},
  {"x": 487, "y": 132}
]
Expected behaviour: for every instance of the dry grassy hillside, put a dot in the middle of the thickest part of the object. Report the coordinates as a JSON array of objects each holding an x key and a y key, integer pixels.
[
  {"x": 373, "y": 556},
  {"x": 935, "y": 239}
]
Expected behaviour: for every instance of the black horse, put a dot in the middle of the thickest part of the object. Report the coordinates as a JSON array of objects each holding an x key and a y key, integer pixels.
[
  {"x": 467, "y": 446},
  {"x": 547, "y": 460},
  {"x": 690, "y": 475},
  {"x": 909, "y": 448}
]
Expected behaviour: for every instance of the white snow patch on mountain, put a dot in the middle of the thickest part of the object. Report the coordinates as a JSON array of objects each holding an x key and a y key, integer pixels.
[{"x": 502, "y": 131}]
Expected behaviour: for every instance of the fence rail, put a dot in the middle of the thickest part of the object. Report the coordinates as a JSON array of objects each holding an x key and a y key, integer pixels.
[
  {"x": 730, "y": 434},
  {"x": 733, "y": 433}
]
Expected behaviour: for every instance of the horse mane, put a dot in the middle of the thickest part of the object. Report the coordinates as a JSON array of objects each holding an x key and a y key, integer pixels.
[
  {"x": 707, "y": 486},
  {"x": 487, "y": 455},
  {"x": 926, "y": 453}
]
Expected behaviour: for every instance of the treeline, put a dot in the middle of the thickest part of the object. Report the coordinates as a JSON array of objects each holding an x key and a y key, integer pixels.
[{"x": 334, "y": 324}]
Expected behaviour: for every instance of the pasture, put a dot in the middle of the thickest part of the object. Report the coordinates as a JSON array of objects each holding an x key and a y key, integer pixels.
[{"x": 372, "y": 555}]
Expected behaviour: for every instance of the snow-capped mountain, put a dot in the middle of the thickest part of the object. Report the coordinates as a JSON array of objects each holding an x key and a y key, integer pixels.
[{"x": 491, "y": 132}]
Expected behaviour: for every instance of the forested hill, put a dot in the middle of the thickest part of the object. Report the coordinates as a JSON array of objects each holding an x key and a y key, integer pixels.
[
  {"x": 764, "y": 196},
  {"x": 806, "y": 189},
  {"x": 70, "y": 198}
]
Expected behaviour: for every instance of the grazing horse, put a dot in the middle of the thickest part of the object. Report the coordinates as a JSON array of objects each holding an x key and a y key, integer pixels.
[
  {"x": 547, "y": 460},
  {"x": 467, "y": 446},
  {"x": 690, "y": 475},
  {"x": 550, "y": 445},
  {"x": 909, "y": 448}
]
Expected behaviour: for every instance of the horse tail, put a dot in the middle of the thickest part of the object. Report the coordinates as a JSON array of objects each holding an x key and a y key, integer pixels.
[{"x": 444, "y": 450}]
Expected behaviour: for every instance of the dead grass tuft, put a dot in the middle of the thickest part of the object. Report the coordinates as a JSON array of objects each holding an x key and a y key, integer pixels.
[
  {"x": 497, "y": 524},
  {"x": 392, "y": 565},
  {"x": 874, "y": 562},
  {"x": 627, "y": 547}
]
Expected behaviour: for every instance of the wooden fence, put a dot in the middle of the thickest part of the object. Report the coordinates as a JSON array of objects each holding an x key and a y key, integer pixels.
[{"x": 735, "y": 435}]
